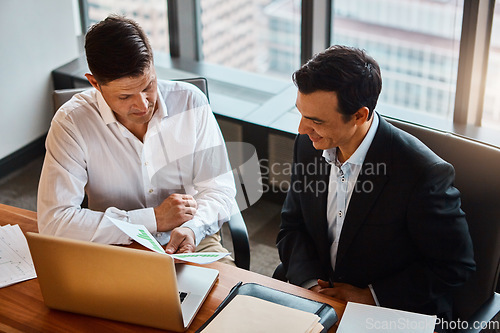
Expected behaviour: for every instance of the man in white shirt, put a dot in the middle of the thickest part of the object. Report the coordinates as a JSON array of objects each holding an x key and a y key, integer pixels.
[{"x": 144, "y": 151}]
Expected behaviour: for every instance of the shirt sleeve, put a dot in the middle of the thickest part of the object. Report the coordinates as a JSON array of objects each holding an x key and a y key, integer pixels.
[
  {"x": 62, "y": 189},
  {"x": 213, "y": 178},
  {"x": 309, "y": 283}
]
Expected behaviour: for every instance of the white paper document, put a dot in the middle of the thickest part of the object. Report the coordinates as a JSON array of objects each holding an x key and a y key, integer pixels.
[
  {"x": 16, "y": 264},
  {"x": 200, "y": 257},
  {"x": 141, "y": 235},
  {"x": 362, "y": 318}
]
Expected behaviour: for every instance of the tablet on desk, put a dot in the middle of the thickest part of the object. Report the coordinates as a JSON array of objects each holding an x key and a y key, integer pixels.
[{"x": 119, "y": 283}]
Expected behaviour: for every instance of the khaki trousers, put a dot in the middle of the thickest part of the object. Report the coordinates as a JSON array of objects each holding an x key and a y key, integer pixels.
[{"x": 212, "y": 243}]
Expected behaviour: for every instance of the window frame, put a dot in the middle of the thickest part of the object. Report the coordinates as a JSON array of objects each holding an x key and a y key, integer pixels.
[
  {"x": 185, "y": 46},
  {"x": 473, "y": 61}
]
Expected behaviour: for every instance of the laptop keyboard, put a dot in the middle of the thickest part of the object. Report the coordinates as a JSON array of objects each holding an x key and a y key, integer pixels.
[{"x": 182, "y": 295}]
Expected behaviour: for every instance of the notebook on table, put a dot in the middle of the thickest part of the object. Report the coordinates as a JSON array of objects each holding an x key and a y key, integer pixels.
[
  {"x": 325, "y": 312},
  {"x": 119, "y": 283}
]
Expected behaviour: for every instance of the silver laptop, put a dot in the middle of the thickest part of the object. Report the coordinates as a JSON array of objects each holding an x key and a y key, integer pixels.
[{"x": 119, "y": 283}]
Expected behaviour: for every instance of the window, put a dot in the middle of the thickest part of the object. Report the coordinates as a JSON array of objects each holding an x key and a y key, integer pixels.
[
  {"x": 150, "y": 14},
  {"x": 491, "y": 108},
  {"x": 260, "y": 36},
  {"x": 415, "y": 42}
]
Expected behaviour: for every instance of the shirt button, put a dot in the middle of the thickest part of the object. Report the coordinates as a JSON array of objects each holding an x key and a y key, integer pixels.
[
  {"x": 342, "y": 179},
  {"x": 340, "y": 213},
  {"x": 146, "y": 163},
  {"x": 150, "y": 190}
]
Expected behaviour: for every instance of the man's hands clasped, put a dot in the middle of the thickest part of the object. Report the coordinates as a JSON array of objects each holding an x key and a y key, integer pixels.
[
  {"x": 174, "y": 211},
  {"x": 344, "y": 291},
  {"x": 170, "y": 215}
]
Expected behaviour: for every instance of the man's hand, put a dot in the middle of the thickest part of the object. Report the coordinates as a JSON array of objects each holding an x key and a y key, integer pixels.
[
  {"x": 181, "y": 241},
  {"x": 174, "y": 211},
  {"x": 346, "y": 292}
]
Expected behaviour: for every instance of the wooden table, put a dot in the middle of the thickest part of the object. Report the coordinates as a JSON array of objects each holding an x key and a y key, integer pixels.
[{"x": 22, "y": 308}]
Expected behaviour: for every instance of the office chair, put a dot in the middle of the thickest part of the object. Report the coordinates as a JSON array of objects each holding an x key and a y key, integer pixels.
[
  {"x": 476, "y": 166},
  {"x": 236, "y": 224},
  {"x": 61, "y": 96}
]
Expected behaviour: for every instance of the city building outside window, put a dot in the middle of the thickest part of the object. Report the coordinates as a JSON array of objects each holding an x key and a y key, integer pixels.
[
  {"x": 150, "y": 14},
  {"x": 260, "y": 36},
  {"x": 415, "y": 42}
]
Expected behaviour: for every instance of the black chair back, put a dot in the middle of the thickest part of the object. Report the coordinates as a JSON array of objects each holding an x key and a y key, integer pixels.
[{"x": 477, "y": 167}]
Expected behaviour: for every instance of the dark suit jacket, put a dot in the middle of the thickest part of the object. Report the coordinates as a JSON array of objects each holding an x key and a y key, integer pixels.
[{"x": 404, "y": 232}]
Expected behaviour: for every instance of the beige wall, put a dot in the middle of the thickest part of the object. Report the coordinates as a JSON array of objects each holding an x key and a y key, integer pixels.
[{"x": 36, "y": 37}]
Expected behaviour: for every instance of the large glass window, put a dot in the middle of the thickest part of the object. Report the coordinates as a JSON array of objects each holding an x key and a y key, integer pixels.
[
  {"x": 415, "y": 42},
  {"x": 491, "y": 109},
  {"x": 150, "y": 14},
  {"x": 261, "y": 36}
]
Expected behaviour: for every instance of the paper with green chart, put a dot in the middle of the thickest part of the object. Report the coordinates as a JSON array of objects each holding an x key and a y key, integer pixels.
[{"x": 141, "y": 235}]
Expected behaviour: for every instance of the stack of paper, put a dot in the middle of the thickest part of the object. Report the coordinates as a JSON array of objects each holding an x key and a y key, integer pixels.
[
  {"x": 247, "y": 314},
  {"x": 362, "y": 318},
  {"x": 15, "y": 258}
]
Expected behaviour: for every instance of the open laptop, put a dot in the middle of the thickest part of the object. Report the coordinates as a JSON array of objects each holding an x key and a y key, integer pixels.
[{"x": 119, "y": 283}]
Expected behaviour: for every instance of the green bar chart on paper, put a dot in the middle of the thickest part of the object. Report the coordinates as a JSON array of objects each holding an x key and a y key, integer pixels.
[{"x": 141, "y": 235}]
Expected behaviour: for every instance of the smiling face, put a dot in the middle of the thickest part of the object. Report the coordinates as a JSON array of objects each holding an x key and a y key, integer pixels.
[
  {"x": 326, "y": 126},
  {"x": 132, "y": 99}
]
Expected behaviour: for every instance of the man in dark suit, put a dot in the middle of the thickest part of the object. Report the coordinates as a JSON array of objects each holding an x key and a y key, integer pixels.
[{"x": 371, "y": 215}]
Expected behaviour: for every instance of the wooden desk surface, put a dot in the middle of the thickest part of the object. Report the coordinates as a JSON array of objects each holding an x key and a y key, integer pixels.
[{"x": 22, "y": 308}]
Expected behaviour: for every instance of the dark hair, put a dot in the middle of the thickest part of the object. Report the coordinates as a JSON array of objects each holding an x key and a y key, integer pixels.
[
  {"x": 350, "y": 72},
  {"x": 117, "y": 47}
]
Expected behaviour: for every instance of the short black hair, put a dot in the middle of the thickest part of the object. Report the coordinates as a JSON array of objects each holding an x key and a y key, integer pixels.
[
  {"x": 348, "y": 71},
  {"x": 117, "y": 47}
]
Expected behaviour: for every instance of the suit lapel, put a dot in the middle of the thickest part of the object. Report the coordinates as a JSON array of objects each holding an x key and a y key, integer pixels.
[
  {"x": 313, "y": 174},
  {"x": 319, "y": 200},
  {"x": 321, "y": 209},
  {"x": 371, "y": 181}
]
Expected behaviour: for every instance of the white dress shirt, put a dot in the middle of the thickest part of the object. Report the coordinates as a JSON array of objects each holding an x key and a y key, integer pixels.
[
  {"x": 88, "y": 150},
  {"x": 341, "y": 184},
  {"x": 343, "y": 178},
  {"x": 342, "y": 181}
]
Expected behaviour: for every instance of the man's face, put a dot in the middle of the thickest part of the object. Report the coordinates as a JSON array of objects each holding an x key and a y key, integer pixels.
[
  {"x": 132, "y": 99},
  {"x": 322, "y": 122}
]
